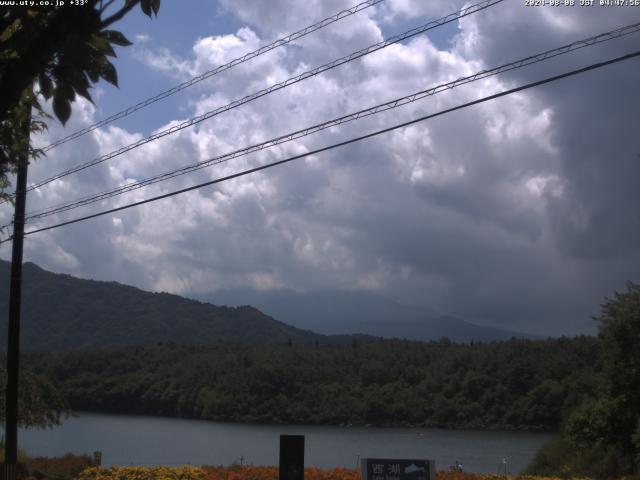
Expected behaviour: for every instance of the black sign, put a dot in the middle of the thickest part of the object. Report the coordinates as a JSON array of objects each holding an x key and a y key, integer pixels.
[
  {"x": 397, "y": 469},
  {"x": 291, "y": 457}
]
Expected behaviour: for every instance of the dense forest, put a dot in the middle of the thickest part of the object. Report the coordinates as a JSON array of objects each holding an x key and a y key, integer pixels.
[{"x": 519, "y": 384}]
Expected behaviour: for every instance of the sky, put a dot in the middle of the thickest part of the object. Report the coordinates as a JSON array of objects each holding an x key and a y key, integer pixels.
[{"x": 520, "y": 212}]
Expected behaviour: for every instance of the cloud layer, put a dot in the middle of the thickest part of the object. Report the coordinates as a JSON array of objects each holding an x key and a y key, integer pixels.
[{"x": 518, "y": 212}]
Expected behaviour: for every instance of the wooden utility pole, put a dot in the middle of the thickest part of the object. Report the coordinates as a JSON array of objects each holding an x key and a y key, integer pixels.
[{"x": 15, "y": 290}]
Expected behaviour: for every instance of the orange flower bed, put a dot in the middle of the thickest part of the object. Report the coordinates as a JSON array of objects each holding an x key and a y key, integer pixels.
[
  {"x": 271, "y": 473},
  {"x": 236, "y": 472}
]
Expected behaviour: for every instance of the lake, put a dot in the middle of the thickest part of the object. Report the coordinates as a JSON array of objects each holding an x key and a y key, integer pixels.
[{"x": 139, "y": 440}]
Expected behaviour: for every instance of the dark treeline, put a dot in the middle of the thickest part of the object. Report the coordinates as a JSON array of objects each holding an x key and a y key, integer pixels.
[{"x": 518, "y": 384}]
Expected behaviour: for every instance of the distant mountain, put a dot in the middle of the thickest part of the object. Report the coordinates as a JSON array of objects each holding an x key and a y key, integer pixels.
[
  {"x": 61, "y": 312},
  {"x": 340, "y": 312}
]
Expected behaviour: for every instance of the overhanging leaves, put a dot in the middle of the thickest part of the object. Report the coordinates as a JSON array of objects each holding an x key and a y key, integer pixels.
[
  {"x": 117, "y": 38},
  {"x": 65, "y": 51},
  {"x": 109, "y": 73},
  {"x": 62, "y": 105}
]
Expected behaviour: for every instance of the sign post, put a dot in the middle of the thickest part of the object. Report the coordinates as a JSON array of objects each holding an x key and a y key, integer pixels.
[
  {"x": 291, "y": 457},
  {"x": 397, "y": 469}
]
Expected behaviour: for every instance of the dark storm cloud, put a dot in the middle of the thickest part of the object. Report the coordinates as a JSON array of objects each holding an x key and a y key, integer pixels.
[{"x": 518, "y": 212}]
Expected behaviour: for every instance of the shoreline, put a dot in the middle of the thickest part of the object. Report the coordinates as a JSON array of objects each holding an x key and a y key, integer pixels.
[{"x": 258, "y": 423}]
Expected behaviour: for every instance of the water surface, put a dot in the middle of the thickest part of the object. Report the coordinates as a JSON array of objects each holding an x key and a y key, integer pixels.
[{"x": 139, "y": 440}]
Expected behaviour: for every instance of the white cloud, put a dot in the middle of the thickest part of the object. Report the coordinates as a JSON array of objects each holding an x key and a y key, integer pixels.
[
  {"x": 142, "y": 38},
  {"x": 464, "y": 212}
]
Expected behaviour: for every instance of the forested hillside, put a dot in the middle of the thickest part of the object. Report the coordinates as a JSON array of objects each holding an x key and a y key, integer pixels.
[
  {"x": 60, "y": 312},
  {"x": 518, "y": 384}
]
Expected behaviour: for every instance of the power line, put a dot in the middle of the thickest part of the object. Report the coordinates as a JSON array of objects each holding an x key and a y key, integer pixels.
[
  {"x": 278, "y": 86},
  {"x": 340, "y": 144},
  {"x": 221, "y": 68},
  {"x": 603, "y": 37}
]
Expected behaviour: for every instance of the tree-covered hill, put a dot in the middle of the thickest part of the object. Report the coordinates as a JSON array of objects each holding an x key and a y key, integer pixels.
[
  {"x": 519, "y": 384},
  {"x": 61, "y": 312}
]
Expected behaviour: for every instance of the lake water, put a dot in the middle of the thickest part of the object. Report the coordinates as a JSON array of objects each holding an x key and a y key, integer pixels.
[{"x": 138, "y": 440}]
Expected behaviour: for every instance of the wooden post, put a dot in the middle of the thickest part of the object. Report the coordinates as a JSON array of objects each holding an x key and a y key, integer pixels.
[
  {"x": 8, "y": 471},
  {"x": 291, "y": 457}
]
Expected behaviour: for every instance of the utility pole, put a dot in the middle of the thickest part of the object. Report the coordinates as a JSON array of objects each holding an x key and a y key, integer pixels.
[{"x": 15, "y": 290}]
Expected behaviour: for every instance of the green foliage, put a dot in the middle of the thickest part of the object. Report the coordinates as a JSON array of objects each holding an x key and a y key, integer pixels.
[
  {"x": 39, "y": 403},
  {"x": 603, "y": 433},
  {"x": 596, "y": 423},
  {"x": 383, "y": 383},
  {"x": 64, "y": 50},
  {"x": 620, "y": 335},
  {"x": 560, "y": 458},
  {"x": 14, "y": 143},
  {"x": 550, "y": 460}
]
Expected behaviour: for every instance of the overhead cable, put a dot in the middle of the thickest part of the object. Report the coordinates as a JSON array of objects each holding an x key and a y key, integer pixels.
[
  {"x": 340, "y": 144},
  {"x": 392, "y": 104},
  {"x": 278, "y": 86},
  {"x": 221, "y": 68}
]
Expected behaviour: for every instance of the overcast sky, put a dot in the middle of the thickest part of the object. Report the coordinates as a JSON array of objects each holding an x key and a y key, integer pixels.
[{"x": 520, "y": 212}]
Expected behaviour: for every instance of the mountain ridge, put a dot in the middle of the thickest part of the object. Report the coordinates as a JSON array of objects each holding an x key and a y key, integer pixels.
[
  {"x": 340, "y": 312},
  {"x": 62, "y": 312}
]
